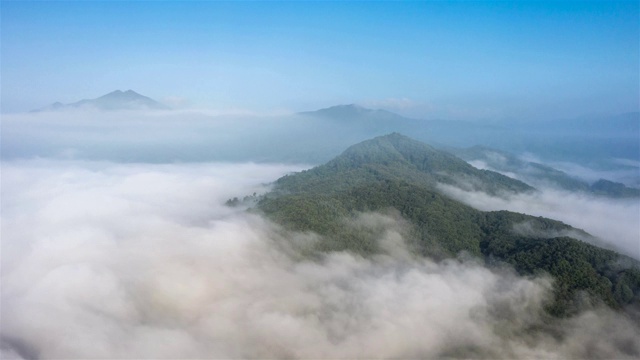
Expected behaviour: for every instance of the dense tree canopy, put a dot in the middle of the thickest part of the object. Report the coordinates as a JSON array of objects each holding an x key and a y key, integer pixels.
[{"x": 395, "y": 172}]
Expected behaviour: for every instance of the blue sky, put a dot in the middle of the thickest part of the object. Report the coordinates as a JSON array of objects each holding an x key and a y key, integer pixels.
[{"x": 459, "y": 60}]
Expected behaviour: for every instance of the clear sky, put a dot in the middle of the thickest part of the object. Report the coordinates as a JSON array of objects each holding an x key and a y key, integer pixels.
[{"x": 468, "y": 60}]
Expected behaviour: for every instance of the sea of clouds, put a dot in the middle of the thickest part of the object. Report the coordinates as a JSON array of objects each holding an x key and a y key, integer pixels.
[
  {"x": 111, "y": 260},
  {"x": 117, "y": 243}
]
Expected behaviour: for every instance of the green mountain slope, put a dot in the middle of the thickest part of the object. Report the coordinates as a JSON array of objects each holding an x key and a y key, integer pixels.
[
  {"x": 396, "y": 174},
  {"x": 397, "y": 157}
]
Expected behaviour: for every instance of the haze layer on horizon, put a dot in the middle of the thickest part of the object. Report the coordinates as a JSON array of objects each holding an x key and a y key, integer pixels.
[{"x": 454, "y": 60}]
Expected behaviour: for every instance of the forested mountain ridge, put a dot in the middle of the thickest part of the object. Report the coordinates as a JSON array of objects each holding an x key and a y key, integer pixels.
[
  {"x": 395, "y": 172},
  {"x": 398, "y": 157}
]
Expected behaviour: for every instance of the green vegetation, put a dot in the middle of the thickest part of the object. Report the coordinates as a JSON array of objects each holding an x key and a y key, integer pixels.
[
  {"x": 396, "y": 157},
  {"x": 577, "y": 267},
  {"x": 395, "y": 172}
]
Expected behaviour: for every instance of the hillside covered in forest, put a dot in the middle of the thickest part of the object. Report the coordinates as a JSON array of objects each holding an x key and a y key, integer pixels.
[{"x": 396, "y": 175}]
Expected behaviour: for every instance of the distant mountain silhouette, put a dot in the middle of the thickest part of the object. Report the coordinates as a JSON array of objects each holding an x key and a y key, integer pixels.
[
  {"x": 540, "y": 174},
  {"x": 116, "y": 100},
  {"x": 353, "y": 112}
]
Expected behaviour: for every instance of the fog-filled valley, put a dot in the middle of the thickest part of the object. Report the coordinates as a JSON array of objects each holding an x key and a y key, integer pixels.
[
  {"x": 310, "y": 137},
  {"x": 319, "y": 180},
  {"x": 119, "y": 233},
  {"x": 112, "y": 260}
]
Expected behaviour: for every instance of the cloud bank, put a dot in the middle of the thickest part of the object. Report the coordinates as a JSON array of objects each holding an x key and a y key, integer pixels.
[
  {"x": 174, "y": 136},
  {"x": 615, "y": 222},
  {"x": 103, "y": 260}
]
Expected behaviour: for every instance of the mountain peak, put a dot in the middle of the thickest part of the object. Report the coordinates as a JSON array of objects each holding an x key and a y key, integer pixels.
[
  {"x": 398, "y": 157},
  {"x": 115, "y": 100},
  {"x": 397, "y": 147},
  {"x": 129, "y": 94},
  {"x": 354, "y": 113},
  {"x": 350, "y": 107},
  {"x": 341, "y": 111}
]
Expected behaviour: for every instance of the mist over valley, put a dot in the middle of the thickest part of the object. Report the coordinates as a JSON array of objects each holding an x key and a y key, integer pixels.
[
  {"x": 103, "y": 201},
  {"x": 332, "y": 180}
]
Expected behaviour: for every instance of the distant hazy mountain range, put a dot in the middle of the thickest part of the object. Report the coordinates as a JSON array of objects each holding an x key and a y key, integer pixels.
[
  {"x": 580, "y": 139},
  {"x": 538, "y": 174},
  {"x": 605, "y": 143},
  {"x": 116, "y": 100},
  {"x": 354, "y": 112}
]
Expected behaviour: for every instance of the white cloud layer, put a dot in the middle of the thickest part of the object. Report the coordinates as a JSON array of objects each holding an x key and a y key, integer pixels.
[
  {"x": 103, "y": 260},
  {"x": 172, "y": 136},
  {"x": 615, "y": 222}
]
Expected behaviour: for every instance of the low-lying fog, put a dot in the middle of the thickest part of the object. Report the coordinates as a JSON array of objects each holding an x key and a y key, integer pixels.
[
  {"x": 116, "y": 243},
  {"x": 190, "y": 135},
  {"x": 615, "y": 222},
  {"x": 108, "y": 260},
  {"x": 175, "y": 136}
]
